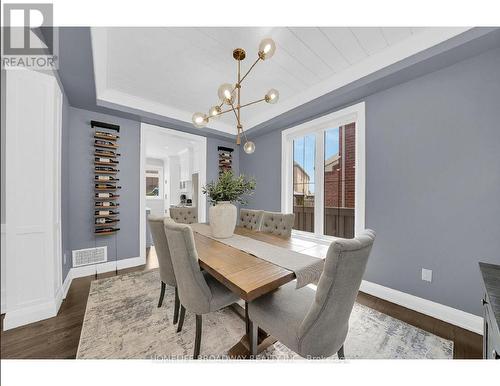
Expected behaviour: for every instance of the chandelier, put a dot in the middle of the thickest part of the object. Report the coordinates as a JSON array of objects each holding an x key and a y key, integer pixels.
[{"x": 230, "y": 95}]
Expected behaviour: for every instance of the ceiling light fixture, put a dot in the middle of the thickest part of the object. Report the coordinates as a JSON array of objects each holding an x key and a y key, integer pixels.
[{"x": 230, "y": 94}]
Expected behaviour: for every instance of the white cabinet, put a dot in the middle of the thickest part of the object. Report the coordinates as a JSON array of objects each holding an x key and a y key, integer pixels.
[{"x": 186, "y": 163}]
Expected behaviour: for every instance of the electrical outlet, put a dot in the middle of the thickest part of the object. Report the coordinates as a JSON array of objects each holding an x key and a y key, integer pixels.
[
  {"x": 427, "y": 275},
  {"x": 64, "y": 256}
]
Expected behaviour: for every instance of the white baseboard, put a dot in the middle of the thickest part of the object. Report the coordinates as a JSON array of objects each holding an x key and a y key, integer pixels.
[
  {"x": 66, "y": 284},
  {"x": 30, "y": 314},
  {"x": 88, "y": 270},
  {"x": 451, "y": 315}
]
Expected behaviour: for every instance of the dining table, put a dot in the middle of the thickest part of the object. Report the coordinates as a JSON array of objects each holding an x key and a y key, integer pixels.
[{"x": 249, "y": 276}]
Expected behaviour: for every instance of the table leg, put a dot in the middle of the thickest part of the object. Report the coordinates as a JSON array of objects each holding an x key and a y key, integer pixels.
[{"x": 241, "y": 350}]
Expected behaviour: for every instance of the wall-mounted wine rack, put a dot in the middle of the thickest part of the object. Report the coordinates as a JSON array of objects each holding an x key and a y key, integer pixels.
[
  {"x": 225, "y": 159},
  {"x": 106, "y": 180}
]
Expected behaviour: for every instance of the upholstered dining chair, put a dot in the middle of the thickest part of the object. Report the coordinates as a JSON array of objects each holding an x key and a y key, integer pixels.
[
  {"x": 199, "y": 292},
  {"x": 279, "y": 224},
  {"x": 187, "y": 215},
  {"x": 314, "y": 324},
  {"x": 167, "y": 275},
  {"x": 251, "y": 219}
]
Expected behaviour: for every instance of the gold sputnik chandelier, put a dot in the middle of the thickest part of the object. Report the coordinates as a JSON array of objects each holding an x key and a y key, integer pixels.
[{"x": 230, "y": 95}]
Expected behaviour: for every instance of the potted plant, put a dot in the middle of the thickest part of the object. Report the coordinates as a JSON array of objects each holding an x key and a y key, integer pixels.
[{"x": 222, "y": 194}]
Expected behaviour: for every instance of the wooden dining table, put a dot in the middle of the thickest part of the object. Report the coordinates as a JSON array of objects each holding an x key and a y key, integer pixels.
[{"x": 249, "y": 276}]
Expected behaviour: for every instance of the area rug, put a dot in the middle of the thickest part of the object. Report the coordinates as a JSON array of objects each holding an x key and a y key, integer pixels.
[{"x": 122, "y": 321}]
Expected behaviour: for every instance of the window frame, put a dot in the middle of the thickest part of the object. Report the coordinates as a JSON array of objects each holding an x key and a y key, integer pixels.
[
  {"x": 160, "y": 181},
  {"x": 318, "y": 127}
]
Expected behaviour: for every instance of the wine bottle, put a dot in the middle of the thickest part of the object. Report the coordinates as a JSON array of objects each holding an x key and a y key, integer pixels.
[
  {"x": 106, "y": 195},
  {"x": 107, "y": 186},
  {"x": 106, "y": 169},
  {"x": 108, "y": 212},
  {"x": 106, "y": 153},
  {"x": 107, "y": 135},
  {"x": 106, "y": 178},
  {"x": 105, "y": 220},
  {"x": 104, "y": 143},
  {"x": 106, "y": 229},
  {"x": 106, "y": 204}
]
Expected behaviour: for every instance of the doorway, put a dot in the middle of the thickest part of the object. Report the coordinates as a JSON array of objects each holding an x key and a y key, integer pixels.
[{"x": 173, "y": 170}]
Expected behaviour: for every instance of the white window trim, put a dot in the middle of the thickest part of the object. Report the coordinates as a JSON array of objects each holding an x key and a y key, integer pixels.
[
  {"x": 161, "y": 181},
  {"x": 354, "y": 113}
]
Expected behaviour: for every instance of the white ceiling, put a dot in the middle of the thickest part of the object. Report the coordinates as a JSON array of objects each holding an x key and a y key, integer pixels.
[
  {"x": 163, "y": 145},
  {"x": 176, "y": 71}
]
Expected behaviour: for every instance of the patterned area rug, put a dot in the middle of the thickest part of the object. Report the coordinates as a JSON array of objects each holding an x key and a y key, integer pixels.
[{"x": 122, "y": 321}]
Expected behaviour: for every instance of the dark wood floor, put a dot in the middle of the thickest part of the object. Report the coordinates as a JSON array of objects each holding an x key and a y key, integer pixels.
[{"x": 58, "y": 337}]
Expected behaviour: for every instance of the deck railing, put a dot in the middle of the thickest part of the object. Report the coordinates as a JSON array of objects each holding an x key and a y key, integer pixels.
[{"x": 338, "y": 221}]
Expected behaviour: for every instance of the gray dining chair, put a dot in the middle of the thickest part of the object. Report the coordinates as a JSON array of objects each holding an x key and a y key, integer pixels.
[
  {"x": 199, "y": 292},
  {"x": 314, "y": 324},
  {"x": 167, "y": 275},
  {"x": 251, "y": 219},
  {"x": 187, "y": 215},
  {"x": 279, "y": 224}
]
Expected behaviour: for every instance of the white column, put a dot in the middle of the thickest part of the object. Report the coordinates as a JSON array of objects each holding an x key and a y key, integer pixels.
[{"x": 33, "y": 226}]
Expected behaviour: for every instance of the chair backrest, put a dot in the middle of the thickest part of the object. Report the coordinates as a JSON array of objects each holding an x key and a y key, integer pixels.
[
  {"x": 251, "y": 219},
  {"x": 324, "y": 329},
  {"x": 161, "y": 247},
  {"x": 279, "y": 224},
  {"x": 194, "y": 293},
  {"x": 187, "y": 215}
]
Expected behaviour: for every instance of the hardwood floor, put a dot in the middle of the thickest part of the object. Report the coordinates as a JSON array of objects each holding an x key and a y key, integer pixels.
[{"x": 58, "y": 337}]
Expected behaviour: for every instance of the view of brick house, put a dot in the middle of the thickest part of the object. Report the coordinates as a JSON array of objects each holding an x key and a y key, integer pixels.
[{"x": 340, "y": 171}]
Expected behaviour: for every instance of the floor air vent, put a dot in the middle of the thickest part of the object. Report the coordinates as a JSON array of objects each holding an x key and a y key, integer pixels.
[{"x": 90, "y": 256}]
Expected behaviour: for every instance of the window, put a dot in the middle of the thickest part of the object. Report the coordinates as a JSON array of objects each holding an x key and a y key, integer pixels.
[
  {"x": 339, "y": 181},
  {"x": 323, "y": 173},
  {"x": 153, "y": 184},
  {"x": 304, "y": 153}
]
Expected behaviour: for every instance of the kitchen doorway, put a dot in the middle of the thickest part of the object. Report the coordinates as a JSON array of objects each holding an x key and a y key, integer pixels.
[{"x": 173, "y": 170}]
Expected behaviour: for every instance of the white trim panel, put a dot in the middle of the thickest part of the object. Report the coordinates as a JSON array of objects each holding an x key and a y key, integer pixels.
[{"x": 2, "y": 270}]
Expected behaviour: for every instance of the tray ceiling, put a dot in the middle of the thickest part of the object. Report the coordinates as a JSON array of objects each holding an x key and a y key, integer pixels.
[{"x": 175, "y": 72}]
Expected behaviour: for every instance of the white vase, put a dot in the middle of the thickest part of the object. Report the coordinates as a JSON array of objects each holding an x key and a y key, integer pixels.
[{"x": 222, "y": 219}]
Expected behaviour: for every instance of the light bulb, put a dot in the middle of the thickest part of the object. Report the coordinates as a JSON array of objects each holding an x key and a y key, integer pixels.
[
  {"x": 267, "y": 47},
  {"x": 272, "y": 96},
  {"x": 226, "y": 93},
  {"x": 214, "y": 111},
  {"x": 200, "y": 120},
  {"x": 249, "y": 147}
]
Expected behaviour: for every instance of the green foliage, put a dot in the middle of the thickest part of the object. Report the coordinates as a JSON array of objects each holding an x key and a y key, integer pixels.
[{"x": 229, "y": 188}]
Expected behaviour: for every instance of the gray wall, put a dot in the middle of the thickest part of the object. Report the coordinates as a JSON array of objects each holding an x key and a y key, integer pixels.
[
  {"x": 213, "y": 157},
  {"x": 432, "y": 180},
  {"x": 79, "y": 194},
  {"x": 265, "y": 165},
  {"x": 77, "y": 177}
]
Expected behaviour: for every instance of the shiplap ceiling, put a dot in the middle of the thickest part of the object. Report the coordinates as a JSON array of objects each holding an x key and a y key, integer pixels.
[{"x": 176, "y": 71}]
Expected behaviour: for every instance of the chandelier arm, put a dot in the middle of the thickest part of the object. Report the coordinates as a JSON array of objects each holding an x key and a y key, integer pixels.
[
  {"x": 235, "y": 114},
  {"x": 222, "y": 112},
  {"x": 252, "y": 103},
  {"x": 250, "y": 69}
]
